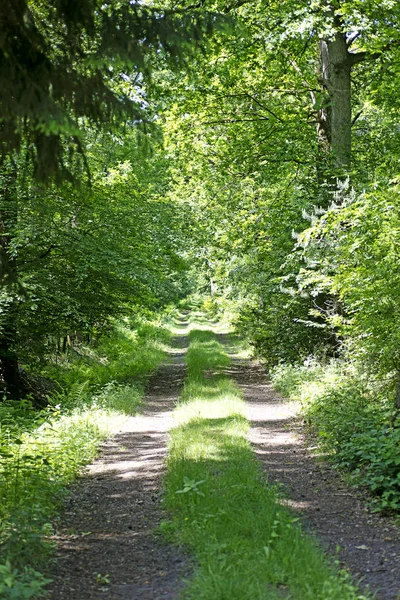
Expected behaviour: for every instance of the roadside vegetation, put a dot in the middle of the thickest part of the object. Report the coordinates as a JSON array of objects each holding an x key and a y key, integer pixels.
[
  {"x": 354, "y": 421},
  {"x": 94, "y": 389},
  {"x": 246, "y": 544},
  {"x": 249, "y": 151}
]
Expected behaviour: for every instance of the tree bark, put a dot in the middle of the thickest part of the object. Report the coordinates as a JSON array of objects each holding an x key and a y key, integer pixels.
[
  {"x": 9, "y": 370},
  {"x": 396, "y": 403},
  {"x": 336, "y": 66}
]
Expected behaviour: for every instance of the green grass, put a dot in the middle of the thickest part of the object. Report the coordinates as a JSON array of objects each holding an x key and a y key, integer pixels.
[
  {"x": 41, "y": 452},
  {"x": 247, "y": 545},
  {"x": 128, "y": 353}
]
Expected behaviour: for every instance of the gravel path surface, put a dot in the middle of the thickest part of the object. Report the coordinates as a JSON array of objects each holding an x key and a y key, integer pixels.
[{"x": 106, "y": 545}]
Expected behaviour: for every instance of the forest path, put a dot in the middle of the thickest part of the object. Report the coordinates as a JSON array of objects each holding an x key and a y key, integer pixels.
[
  {"x": 369, "y": 544},
  {"x": 106, "y": 547}
]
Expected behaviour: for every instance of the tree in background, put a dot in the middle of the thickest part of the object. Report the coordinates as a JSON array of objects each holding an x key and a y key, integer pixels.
[{"x": 301, "y": 96}]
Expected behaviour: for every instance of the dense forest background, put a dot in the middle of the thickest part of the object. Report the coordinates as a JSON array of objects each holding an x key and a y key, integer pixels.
[{"x": 245, "y": 150}]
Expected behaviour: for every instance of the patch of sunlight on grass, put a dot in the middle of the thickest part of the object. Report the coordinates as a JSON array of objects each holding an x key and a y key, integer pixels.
[
  {"x": 242, "y": 353},
  {"x": 247, "y": 545},
  {"x": 207, "y": 388},
  {"x": 219, "y": 408},
  {"x": 179, "y": 330},
  {"x": 197, "y": 320}
]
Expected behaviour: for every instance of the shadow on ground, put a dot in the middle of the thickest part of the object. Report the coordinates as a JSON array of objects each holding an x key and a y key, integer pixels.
[
  {"x": 337, "y": 515},
  {"x": 106, "y": 547}
]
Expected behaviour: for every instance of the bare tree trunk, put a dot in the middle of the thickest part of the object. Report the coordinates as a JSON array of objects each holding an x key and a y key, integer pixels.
[
  {"x": 9, "y": 371},
  {"x": 396, "y": 404},
  {"x": 336, "y": 63}
]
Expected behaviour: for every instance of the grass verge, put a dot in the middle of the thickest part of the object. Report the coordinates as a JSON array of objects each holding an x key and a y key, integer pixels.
[
  {"x": 42, "y": 451},
  {"x": 247, "y": 545}
]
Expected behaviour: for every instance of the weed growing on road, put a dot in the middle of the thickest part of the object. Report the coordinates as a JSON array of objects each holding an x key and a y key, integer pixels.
[{"x": 247, "y": 545}]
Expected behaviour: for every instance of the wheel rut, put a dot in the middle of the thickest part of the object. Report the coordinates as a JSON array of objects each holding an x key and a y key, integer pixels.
[
  {"x": 106, "y": 547},
  {"x": 366, "y": 544}
]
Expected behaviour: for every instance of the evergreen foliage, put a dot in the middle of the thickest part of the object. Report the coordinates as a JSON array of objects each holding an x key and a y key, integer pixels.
[{"x": 65, "y": 64}]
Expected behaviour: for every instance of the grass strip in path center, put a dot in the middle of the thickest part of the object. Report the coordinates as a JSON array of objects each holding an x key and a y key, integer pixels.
[{"x": 247, "y": 545}]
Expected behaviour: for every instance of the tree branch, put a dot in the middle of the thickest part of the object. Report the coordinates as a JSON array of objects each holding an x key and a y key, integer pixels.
[
  {"x": 271, "y": 112},
  {"x": 225, "y": 121},
  {"x": 47, "y": 252},
  {"x": 357, "y": 116},
  {"x": 358, "y": 57},
  {"x": 352, "y": 38}
]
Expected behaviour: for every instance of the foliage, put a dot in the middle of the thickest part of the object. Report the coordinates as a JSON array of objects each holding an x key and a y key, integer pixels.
[
  {"x": 246, "y": 544},
  {"x": 100, "y": 236},
  {"x": 132, "y": 349},
  {"x": 20, "y": 585},
  {"x": 251, "y": 164},
  {"x": 87, "y": 255},
  {"x": 354, "y": 421},
  {"x": 351, "y": 250},
  {"x": 65, "y": 65}
]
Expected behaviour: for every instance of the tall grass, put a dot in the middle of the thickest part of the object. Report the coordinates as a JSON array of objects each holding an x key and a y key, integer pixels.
[
  {"x": 247, "y": 545},
  {"x": 127, "y": 353}
]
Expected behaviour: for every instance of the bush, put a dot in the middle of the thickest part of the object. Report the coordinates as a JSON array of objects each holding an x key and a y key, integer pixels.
[
  {"x": 20, "y": 585},
  {"x": 353, "y": 419}
]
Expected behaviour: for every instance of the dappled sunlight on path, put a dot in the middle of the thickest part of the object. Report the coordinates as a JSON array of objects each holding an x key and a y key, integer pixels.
[{"x": 106, "y": 545}]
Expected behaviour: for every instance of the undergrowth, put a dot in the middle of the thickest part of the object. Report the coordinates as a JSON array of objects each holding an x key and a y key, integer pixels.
[
  {"x": 354, "y": 421},
  {"x": 248, "y": 546},
  {"x": 115, "y": 357},
  {"x": 42, "y": 451}
]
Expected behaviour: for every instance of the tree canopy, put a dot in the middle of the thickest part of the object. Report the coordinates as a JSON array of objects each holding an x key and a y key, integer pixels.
[
  {"x": 257, "y": 160},
  {"x": 68, "y": 65}
]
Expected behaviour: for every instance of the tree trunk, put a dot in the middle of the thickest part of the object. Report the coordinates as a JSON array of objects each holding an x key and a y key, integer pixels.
[
  {"x": 9, "y": 371},
  {"x": 336, "y": 66},
  {"x": 396, "y": 404}
]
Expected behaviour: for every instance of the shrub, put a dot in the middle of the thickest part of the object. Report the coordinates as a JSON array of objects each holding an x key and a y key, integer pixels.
[{"x": 353, "y": 420}]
